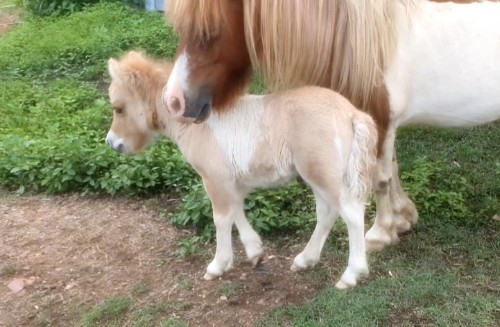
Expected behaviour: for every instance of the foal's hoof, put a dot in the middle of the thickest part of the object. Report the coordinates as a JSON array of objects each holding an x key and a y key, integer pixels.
[
  {"x": 260, "y": 264},
  {"x": 208, "y": 276},
  {"x": 258, "y": 260},
  {"x": 343, "y": 286}
]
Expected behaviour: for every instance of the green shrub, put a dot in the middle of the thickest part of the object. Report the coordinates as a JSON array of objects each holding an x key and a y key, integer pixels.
[
  {"x": 437, "y": 192},
  {"x": 64, "y": 7},
  {"x": 79, "y": 45}
]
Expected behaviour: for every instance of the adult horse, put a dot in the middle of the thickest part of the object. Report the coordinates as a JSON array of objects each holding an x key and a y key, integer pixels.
[{"x": 403, "y": 61}]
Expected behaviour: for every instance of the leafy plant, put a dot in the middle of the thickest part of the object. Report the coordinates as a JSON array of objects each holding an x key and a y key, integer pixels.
[{"x": 64, "y": 7}]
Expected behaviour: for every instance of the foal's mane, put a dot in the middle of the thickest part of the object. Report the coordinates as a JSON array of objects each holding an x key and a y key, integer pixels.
[
  {"x": 145, "y": 75},
  {"x": 340, "y": 44}
]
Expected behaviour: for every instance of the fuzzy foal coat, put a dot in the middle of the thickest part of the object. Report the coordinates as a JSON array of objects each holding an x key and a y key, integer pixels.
[{"x": 268, "y": 140}]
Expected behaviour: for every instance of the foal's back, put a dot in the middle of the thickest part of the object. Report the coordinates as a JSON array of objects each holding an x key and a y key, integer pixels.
[{"x": 304, "y": 130}]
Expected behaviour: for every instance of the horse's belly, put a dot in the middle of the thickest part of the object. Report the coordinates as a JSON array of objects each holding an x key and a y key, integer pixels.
[{"x": 446, "y": 71}]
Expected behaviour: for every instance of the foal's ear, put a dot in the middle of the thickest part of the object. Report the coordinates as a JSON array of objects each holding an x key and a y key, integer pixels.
[{"x": 114, "y": 70}]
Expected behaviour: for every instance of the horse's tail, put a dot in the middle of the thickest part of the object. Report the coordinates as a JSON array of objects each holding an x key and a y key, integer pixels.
[{"x": 362, "y": 157}]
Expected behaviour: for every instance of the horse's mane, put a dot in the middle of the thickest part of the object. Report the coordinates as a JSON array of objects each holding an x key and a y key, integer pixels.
[
  {"x": 340, "y": 44},
  {"x": 197, "y": 19}
]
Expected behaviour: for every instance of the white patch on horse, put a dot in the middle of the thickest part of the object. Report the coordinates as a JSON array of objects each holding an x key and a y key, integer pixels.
[
  {"x": 180, "y": 73},
  {"x": 236, "y": 135},
  {"x": 447, "y": 78}
]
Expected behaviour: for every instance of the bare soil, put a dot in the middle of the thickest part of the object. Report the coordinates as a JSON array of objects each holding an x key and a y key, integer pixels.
[{"x": 79, "y": 251}]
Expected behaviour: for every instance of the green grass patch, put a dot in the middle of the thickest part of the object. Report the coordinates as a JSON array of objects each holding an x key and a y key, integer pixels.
[
  {"x": 80, "y": 44},
  {"x": 109, "y": 313}
]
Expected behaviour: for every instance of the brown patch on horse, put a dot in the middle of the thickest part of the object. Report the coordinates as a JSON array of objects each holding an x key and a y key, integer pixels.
[
  {"x": 212, "y": 34},
  {"x": 380, "y": 108}
]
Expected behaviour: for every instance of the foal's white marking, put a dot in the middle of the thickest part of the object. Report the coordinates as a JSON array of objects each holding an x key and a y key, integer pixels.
[
  {"x": 238, "y": 133},
  {"x": 113, "y": 140}
]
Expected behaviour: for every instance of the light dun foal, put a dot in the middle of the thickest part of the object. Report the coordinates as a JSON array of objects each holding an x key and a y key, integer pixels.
[{"x": 269, "y": 140}]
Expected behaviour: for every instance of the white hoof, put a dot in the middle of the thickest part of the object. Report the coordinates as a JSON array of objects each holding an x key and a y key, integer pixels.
[
  {"x": 258, "y": 260},
  {"x": 215, "y": 270},
  {"x": 300, "y": 263},
  {"x": 208, "y": 276},
  {"x": 377, "y": 238},
  {"x": 343, "y": 286}
]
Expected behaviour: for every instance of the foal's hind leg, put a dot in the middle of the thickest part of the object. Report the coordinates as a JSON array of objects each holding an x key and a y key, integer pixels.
[
  {"x": 353, "y": 213},
  {"x": 326, "y": 216}
]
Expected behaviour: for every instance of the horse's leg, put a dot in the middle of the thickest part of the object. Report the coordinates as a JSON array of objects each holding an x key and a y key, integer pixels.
[
  {"x": 353, "y": 213},
  {"x": 326, "y": 216},
  {"x": 249, "y": 237},
  {"x": 225, "y": 204},
  {"x": 383, "y": 231},
  {"x": 404, "y": 210}
]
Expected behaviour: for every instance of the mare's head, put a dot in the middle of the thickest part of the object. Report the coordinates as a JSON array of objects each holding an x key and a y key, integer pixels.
[
  {"x": 213, "y": 64},
  {"x": 136, "y": 86}
]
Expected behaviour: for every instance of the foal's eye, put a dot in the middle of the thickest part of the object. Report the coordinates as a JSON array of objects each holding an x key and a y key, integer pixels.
[{"x": 118, "y": 110}]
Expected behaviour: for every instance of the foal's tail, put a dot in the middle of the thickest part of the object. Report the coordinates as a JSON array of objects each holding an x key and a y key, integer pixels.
[{"x": 362, "y": 158}]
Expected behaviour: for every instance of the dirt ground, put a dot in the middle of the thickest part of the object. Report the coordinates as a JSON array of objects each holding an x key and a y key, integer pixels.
[{"x": 74, "y": 252}]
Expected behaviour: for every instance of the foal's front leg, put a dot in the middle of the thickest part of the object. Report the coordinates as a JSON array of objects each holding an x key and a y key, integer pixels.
[
  {"x": 227, "y": 205},
  {"x": 223, "y": 213}
]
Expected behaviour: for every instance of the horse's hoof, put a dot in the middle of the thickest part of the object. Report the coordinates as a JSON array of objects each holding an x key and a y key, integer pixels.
[
  {"x": 374, "y": 246},
  {"x": 343, "y": 286},
  {"x": 258, "y": 260},
  {"x": 297, "y": 268},
  {"x": 208, "y": 276},
  {"x": 402, "y": 225}
]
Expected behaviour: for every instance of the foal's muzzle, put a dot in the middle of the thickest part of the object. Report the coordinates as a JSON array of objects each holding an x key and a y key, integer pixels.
[{"x": 115, "y": 142}]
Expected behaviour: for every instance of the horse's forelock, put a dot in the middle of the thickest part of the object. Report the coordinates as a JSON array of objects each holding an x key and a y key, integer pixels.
[{"x": 198, "y": 19}]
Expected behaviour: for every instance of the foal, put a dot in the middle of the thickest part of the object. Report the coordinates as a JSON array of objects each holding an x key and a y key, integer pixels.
[{"x": 270, "y": 139}]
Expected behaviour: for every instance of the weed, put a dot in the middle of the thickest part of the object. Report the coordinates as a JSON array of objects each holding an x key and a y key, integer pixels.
[
  {"x": 229, "y": 289},
  {"x": 8, "y": 270},
  {"x": 140, "y": 289},
  {"x": 111, "y": 311},
  {"x": 148, "y": 315},
  {"x": 186, "y": 284},
  {"x": 172, "y": 322}
]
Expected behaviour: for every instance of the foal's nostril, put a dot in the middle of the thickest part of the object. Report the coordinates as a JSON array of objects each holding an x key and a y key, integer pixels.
[{"x": 120, "y": 147}]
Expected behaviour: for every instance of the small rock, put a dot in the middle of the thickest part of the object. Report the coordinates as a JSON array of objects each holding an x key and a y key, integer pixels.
[{"x": 223, "y": 298}]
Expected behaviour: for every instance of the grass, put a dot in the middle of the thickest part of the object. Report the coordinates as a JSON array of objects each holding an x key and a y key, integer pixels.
[
  {"x": 431, "y": 279},
  {"x": 109, "y": 313},
  {"x": 443, "y": 273}
]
